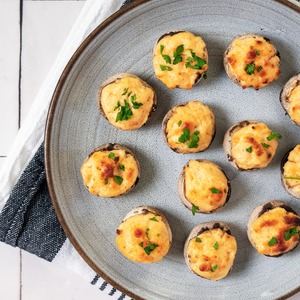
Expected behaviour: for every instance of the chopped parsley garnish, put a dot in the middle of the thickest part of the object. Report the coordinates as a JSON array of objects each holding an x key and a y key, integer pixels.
[
  {"x": 250, "y": 68},
  {"x": 291, "y": 232},
  {"x": 147, "y": 233},
  {"x": 259, "y": 68},
  {"x": 167, "y": 58},
  {"x": 185, "y": 136},
  {"x": 291, "y": 177},
  {"x": 148, "y": 249},
  {"x": 265, "y": 145},
  {"x": 118, "y": 179},
  {"x": 135, "y": 104},
  {"x": 274, "y": 135},
  {"x": 194, "y": 209},
  {"x": 121, "y": 167},
  {"x": 177, "y": 54},
  {"x": 118, "y": 105},
  {"x": 214, "y": 268},
  {"x": 257, "y": 52},
  {"x": 215, "y": 190},
  {"x": 195, "y": 139},
  {"x": 198, "y": 240},
  {"x": 125, "y": 91},
  {"x": 195, "y": 62},
  {"x": 153, "y": 219},
  {"x": 111, "y": 155},
  {"x": 125, "y": 112},
  {"x": 216, "y": 245},
  {"x": 249, "y": 149},
  {"x": 273, "y": 241},
  {"x": 106, "y": 180},
  {"x": 141, "y": 244},
  {"x": 179, "y": 123},
  {"x": 165, "y": 68}
]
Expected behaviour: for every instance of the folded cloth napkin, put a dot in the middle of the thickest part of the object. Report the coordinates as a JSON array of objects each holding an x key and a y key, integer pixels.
[{"x": 27, "y": 217}]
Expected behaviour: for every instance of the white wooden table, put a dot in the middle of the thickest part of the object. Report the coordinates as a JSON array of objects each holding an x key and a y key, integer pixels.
[{"x": 32, "y": 32}]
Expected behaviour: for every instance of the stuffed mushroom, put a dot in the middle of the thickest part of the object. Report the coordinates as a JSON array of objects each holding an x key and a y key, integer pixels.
[
  {"x": 126, "y": 101},
  {"x": 189, "y": 127},
  {"x": 144, "y": 235},
  {"x": 203, "y": 186},
  {"x": 180, "y": 59},
  {"x": 273, "y": 228},
  {"x": 110, "y": 170},
  {"x": 252, "y": 60},
  {"x": 290, "y": 98},
  {"x": 290, "y": 171},
  {"x": 250, "y": 145},
  {"x": 210, "y": 250}
]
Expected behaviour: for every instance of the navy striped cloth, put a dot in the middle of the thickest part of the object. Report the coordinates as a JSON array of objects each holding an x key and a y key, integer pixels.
[{"x": 28, "y": 219}]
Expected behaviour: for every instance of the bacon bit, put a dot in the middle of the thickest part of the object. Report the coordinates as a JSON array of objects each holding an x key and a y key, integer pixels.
[
  {"x": 257, "y": 148},
  {"x": 231, "y": 60},
  {"x": 259, "y": 42},
  {"x": 108, "y": 170},
  {"x": 251, "y": 54},
  {"x": 119, "y": 231},
  {"x": 138, "y": 232},
  {"x": 188, "y": 125},
  {"x": 269, "y": 223},
  {"x": 204, "y": 267},
  {"x": 262, "y": 73},
  {"x": 216, "y": 198},
  {"x": 129, "y": 173}
]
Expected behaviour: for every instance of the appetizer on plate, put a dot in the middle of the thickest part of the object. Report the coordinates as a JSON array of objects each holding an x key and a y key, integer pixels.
[
  {"x": 126, "y": 101},
  {"x": 189, "y": 127},
  {"x": 252, "y": 61},
  {"x": 250, "y": 145},
  {"x": 203, "y": 186},
  {"x": 210, "y": 250},
  {"x": 180, "y": 59},
  {"x": 290, "y": 171},
  {"x": 110, "y": 170},
  {"x": 273, "y": 228},
  {"x": 144, "y": 235},
  {"x": 290, "y": 98}
]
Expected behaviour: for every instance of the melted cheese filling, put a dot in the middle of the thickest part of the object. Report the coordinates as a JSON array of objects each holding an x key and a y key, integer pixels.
[
  {"x": 213, "y": 255},
  {"x": 194, "y": 116},
  {"x": 99, "y": 172},
  {"x": 200, "y": 178},
  {"x": 273, "y": 224},
  {"x": 294, "y": 104},
  {"x": 180, "y": 76},
  {"x": 261, "y": 152},
  {"x": 292, "y": 169},
  {"x": 257, "y": 50},
  {"x": 112, "y": 96},
  {"x": 137, "y": 235}
]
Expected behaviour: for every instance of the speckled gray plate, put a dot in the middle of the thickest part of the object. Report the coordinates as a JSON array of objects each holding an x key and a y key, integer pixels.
[{"x": 124, "y": 44}]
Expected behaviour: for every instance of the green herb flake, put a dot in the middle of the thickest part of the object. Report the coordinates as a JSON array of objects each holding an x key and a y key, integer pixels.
[
  {"x": 273, "y": 241},
  {"x": 249, "y": 149},
  {"x": 195, "y": 139},
  {"x": 111, "y": 155},
  {"x": 148, "y": 249},
  {"x": 265, "y": 145},
  {"x": 250, "y": 68},
  {"x": 125, "y": 112},
  {"x": 141, "y": 244},
  {"x": 214, "y": 268},
  {"x": 257, "y": 52},
  {"x": 195, "y": 62},
  {"x": 117, "y": 106},
  {"x": 167, "y": 58},
  {"x": 259, "y": 68},
  {"x": 106, "y": 180},
  {"x": 291, "y": 177},
  {"x": 153, "y": 219},
  {"x": 185, "y": 136},
  {"x": 118, "y": 179},
  {"x": 177, "y": 55},
  {"x": 135, "y": 104},
  {"x": 216, "y": 245},
  {"x": 198, "y": 240},
  {"x": 165, "y": 68},
  {"x": 122, "y": 167},
  {"x": 194, "y": 209},
  {"x": 147, "y": 233},
  {"x": 291, "y": 232},
  {"x": 205, "y": 75},
  {"x": 274, "y": 135},
  {"x": 179, "y": 123},
  {"x": 215, "y": 190},
  {"x": 125, "y": 91}
]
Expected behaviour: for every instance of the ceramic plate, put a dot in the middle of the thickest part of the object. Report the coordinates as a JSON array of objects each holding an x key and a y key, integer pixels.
[{"x": 124, "y": 43}]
